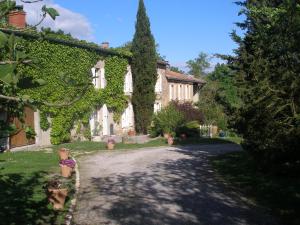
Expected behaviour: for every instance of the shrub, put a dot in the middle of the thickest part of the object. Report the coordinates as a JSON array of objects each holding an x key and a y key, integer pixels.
[
  {"x": 189, "y": 112},
  {"x": 166, "y": 121},
  {"x": 190, "y": 129}
]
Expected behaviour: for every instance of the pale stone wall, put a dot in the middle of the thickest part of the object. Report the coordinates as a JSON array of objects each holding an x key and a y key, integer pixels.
[{"x": 165, "y": 95}]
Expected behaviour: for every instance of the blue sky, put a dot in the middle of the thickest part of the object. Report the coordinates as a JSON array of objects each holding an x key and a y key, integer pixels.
[{"x": 182, "y": 28}]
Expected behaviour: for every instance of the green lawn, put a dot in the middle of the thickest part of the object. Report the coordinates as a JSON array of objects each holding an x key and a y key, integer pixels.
[
  {"x": 22, "y": 197},
  {"x": 86, "y": 147},
  {"x": 195, "y": 141},
  {"x": 280, "y": 194},
  {"x": 79, "y": 148}
]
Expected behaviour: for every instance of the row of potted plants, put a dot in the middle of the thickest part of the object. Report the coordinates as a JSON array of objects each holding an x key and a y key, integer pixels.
[{"x": 59, "y": 187}]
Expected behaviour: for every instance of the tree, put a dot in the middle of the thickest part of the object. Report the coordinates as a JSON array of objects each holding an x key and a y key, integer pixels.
[
  {"x": 176, "y": 69},
  {"x": 198, "y": 65},
  {"x": 144, "y": 72},
  {"x": 12, "y": 55},
  {"x": 267, "y": 64}
]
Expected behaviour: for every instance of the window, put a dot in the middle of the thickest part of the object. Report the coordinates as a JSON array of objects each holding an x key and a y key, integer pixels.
[
  {"x": 94, "y": 76},
  {"x": 102, "y": 78},
  {"x": 128, "y": 81},
  {"x": 171, "y": 90},
  {"x": 157, "y": 107},
  {"x": 186, "y": 92},
  {"x": 180, "y": 92},
  {"x": 158, "y": 85}
]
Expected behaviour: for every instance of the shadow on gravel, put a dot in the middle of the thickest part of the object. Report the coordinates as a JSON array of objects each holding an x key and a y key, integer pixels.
[{"x": 183, "y": 191}]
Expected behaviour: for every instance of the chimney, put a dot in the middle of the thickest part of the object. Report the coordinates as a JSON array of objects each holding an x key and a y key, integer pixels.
[
  {"x": 17, "y": 18},
  {"x": 105, "y": 45}
]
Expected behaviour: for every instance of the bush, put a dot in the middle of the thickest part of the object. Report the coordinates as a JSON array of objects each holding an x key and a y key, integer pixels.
[
  {"x": 189, "y": 112},
  {"x": 190, "y": 129},
  {"x": 166, "y": 121}
]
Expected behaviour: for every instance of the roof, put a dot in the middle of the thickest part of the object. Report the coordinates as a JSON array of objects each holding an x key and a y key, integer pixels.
[
  {"x": 171, "y": 75},
  {"x": 70, "y": 43}
]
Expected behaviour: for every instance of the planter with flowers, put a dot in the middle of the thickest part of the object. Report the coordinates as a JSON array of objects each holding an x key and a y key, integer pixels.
[
  {"x": 110, "y": 145},
  {"x": 57, "y": 190},
  {"x": 66, "y": 167}
]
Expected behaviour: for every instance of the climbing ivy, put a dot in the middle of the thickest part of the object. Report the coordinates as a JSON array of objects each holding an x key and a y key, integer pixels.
[
  {"x": 115, "y": 68},
  {"x": 67, "y": 72}
]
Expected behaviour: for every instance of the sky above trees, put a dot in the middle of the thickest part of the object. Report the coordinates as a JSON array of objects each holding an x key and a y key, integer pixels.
[{"x": 182, "y": 28}]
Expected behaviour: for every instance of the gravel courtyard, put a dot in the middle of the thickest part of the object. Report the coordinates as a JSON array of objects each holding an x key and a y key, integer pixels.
[{"x": 160, "y": 186}]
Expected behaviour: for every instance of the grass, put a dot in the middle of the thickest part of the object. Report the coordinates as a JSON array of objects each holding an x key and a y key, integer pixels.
[
  {"x": 194, "y": 141},
  {"x": 22, "y": 197},
  {"x": 280, "y": 194},
  {"x": 79, "y": 148},
  {"x": 88, "y": 146}
]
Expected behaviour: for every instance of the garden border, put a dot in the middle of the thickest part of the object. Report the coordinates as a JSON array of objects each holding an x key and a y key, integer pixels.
[{"x": 69, "y": 216}]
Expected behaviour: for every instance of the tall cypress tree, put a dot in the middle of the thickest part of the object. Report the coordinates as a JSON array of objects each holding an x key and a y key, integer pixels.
[{"x": 144, "y": 71}]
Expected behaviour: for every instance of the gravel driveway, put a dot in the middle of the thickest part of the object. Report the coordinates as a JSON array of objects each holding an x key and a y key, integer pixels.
[{"x": 160, "y": 186}]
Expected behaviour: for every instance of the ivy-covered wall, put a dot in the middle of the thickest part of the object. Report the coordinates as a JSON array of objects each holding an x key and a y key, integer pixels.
[{"x": 67, "y": 72}]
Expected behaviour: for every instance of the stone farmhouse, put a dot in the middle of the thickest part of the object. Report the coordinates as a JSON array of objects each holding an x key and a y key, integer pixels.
[{"x": 170, "y": 86}]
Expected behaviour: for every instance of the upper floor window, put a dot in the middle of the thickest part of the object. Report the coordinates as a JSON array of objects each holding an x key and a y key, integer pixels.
[
  {"x": 171, "y": 92},
  {"x": 99, "y": 80},
  {"x": 128, "y": 81},
  {"x": 180, "y": 92}
]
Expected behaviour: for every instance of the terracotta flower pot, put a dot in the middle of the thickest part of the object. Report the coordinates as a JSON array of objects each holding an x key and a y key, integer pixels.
[
  {"x": 170, "y": 140},
  {"x": 57, "y": 197},
  {"x": 166, "y": 135},
  {"x": 131, "y": 133},
  {"x": 110, "y": 146},
  {"x": 65, "y": 171},
  {"x": 63, "y": 153}
]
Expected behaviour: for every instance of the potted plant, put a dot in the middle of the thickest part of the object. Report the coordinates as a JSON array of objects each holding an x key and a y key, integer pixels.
[
  {"x": 131, "y": 133},
  {"x": 63, "y": 153},
  {"x": 66, "y": 167},
  {"x": 57, "y": 191},
  {"x": 170, "y": 139},
  {"x": 110, "y": 144}
]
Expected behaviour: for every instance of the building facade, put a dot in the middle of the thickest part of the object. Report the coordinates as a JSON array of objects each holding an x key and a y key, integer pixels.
[{"x": 170, "y": 86}]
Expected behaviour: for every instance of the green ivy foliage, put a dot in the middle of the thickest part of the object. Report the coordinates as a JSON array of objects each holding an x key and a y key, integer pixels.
[
  {"x": 67, "y": 72},
  {"x": 115, "y": 69}
]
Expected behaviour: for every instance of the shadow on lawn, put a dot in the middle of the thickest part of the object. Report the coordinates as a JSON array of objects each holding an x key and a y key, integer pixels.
[
  {"x": 19, "y": 204},
  {"x": 183, "y": 191},
  {"x": 280, "y": 193}
]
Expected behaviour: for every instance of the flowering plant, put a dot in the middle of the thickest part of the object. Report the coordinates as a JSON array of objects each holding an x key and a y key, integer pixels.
[
  {"x": 111, "y": 141},
  {"x": 68, "y": 162}
]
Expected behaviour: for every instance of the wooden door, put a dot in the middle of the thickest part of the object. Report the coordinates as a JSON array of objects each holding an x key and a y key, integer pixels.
[
  {"x": 19, "y": 139},
  {"x": 105, "y": 120}
]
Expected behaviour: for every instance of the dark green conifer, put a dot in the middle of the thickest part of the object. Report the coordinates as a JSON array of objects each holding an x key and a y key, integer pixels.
[{"x": 143, "y": 70}]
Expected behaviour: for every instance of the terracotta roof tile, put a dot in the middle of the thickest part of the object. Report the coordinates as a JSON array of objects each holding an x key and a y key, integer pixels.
[{"x": 183, "y": 77}]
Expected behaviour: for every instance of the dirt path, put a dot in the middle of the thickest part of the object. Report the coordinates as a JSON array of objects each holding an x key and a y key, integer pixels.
[{"x": 160, "y": 186}]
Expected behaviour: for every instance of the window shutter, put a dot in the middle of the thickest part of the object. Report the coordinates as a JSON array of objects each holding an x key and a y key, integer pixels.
[{"x": 94, "y": 75}]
